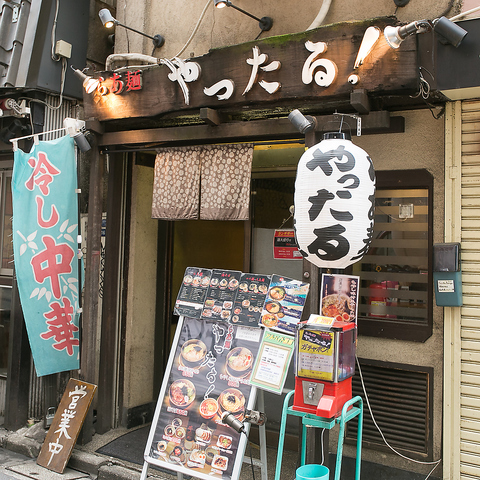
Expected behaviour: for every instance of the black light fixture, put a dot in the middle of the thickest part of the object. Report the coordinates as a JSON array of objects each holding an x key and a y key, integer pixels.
[
  {"x": 265, "y": 23},
  {"x": 449, "y": 31},
  {"x": 76, "y": 129},
  {"x": 109, "y": 21}
]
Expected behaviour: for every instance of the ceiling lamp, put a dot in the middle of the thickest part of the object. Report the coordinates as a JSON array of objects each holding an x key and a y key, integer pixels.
[
  {"x": 449, "y": 31},
  {"x": 265, "y": 23},
  {"x": 109, "y": 21}
]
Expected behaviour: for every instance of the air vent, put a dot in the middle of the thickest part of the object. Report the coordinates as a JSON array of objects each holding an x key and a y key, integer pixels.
[{"x": 400, "y": 398}]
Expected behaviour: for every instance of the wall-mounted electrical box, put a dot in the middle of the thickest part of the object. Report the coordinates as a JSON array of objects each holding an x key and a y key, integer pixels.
[{"x": 447, "y": 274}]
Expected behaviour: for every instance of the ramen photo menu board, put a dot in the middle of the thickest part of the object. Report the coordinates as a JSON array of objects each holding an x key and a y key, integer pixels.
[
  {"x": 221, "y": 295},
  {"x": 193, "y": 292},
  {"x": 251, "y": 295},
  {"x": 339, "y": 297},
  {"x": 208, "y": 373},
  {"x": 284, "y": 304}
]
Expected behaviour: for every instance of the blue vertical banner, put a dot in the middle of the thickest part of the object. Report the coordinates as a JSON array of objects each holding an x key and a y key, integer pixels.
[{"x": 45, "y": 227}]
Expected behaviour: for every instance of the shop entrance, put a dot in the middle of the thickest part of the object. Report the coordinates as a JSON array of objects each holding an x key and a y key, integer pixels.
[{"x": 237, "y": 245}]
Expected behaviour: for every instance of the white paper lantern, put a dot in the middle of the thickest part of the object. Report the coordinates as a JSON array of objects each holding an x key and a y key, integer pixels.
[{"x": 334, "y": 202}]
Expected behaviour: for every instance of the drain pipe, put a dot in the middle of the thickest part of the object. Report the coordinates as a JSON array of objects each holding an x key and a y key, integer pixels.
[{"x": 322, "y": 13}]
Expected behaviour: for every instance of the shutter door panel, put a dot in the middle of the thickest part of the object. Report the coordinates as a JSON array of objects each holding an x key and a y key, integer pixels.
[{"x": 470, "y": 312}]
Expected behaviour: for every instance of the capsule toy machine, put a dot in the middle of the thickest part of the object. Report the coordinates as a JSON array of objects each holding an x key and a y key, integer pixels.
[{"x": 324, "y": 366}]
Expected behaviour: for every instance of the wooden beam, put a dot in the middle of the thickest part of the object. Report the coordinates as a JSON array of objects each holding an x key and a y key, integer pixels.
[
  {"x": 272, "y": 129},
  {"x": 359, "y": 101},
  {"x": 89, "y": 355},
  {"x": 106, "y": 392},
  {"x": 212, "y": 117}
]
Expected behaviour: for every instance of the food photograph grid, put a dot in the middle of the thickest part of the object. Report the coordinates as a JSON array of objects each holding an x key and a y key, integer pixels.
[
  {"x": 211, "y": 364},
  {"x": 271, "y": 301}
]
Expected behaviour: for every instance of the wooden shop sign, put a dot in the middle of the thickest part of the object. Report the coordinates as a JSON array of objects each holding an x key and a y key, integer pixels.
[
  {"x": 65, "y": 428},
  {"x": 311, "y": 66}
]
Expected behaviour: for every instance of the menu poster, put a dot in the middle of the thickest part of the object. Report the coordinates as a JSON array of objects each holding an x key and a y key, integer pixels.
[
  {"x": 339, "y": 297},
  {"x": 315, "y": 354},
  {"x": 208, "y": 373},
  {"x": 284, "y": 304},
  {"x": 251, "y": 296},
  {"x": 285, "y": 245},
  {"x": 221, "y": 295},
  {"x": 193, "y": 292},
  {"x": 271, "y": 366}
]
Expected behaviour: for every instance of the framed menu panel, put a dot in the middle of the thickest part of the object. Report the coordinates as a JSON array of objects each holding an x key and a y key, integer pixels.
[
  {"x": 207, "y": 374},
  {"x": 250, "y": 298},
  {"x": 284, "y": 304},
  {"x": 193, "y": 292},
  {"x": 221, "y": 295}
]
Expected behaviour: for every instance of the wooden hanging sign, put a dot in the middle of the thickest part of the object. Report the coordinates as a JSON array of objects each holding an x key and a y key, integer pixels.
[
  {"x": 67, "y": 423},
  {"x": 309, "y": 66}
]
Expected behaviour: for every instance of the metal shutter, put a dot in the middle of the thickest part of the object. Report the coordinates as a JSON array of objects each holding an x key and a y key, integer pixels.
[{"x": 470, "y": 312}]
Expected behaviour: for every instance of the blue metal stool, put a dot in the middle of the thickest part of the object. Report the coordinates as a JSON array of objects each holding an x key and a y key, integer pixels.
[{"x": 310, "y": 420}]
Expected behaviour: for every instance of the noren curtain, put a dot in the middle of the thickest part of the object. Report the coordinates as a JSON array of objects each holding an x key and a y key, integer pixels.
[{"x": 208, "y": 182}]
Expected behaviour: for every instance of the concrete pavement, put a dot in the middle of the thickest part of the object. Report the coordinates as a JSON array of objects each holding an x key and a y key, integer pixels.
[{"x": 19, "y": 450}]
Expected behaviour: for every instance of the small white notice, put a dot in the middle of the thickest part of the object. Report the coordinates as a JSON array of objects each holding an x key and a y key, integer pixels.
[{"x": 446, "y": 286}]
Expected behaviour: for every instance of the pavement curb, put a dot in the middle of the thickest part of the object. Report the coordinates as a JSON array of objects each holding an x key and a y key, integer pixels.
[
  {"x": 87, "y": 462},
  {"x": 116, "y": 472},
  {"x": 104, "y": 468},
  {"x": 25, "y": 446}
]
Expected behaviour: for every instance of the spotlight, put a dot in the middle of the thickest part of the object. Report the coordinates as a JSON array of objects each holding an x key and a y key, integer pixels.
[
  {"x": 302, "y": 123},
  {"x": 449, "y": 31},
  {"x": 74, "y": 128},
  {"x": 90, "y": 84},
  {"x": 229, "y": 419},
  {"x": 265, "y": 23},
  {"x": 109, "y": 21},
  {"x": 396, "y": 35}
]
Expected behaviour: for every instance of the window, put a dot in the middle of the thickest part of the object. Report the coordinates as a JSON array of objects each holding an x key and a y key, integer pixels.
[{"x": 396, "y": 275}]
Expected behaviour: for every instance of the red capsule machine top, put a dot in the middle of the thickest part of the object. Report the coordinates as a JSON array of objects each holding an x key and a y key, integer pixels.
[{"x": 324, "y": 365}]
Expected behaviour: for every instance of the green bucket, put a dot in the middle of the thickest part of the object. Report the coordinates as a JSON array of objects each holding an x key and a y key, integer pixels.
[{"x": 312, "y": 472}]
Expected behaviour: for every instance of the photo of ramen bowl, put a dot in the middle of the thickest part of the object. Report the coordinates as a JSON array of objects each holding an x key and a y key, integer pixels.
[
  {"x": 239, "y": 360},
  {"x": 208, "y": 408},
  {"x": 177, "y": 455},
  {"x": 210, "y": 452},
  {"x": 273, "y": 307},
  {"x": 180, "y": 432},
  {"x": 162, "y": 446},
  {"x": 182, "y": 393},
  {"x": 269, "y": 320},
  {"x": 277, "y": 293},
  {"x": 336, "y": 304},
  {"x": 232, "y": 400},
  {"x": 193, "y": 352}
]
